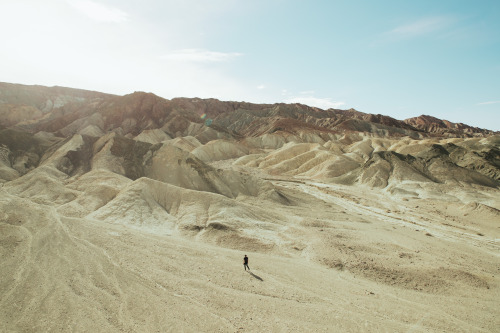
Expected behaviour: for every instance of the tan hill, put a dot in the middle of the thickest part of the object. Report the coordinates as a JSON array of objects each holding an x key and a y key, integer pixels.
[
  {"x": 21, "y": 104},
  {"x": 133, "y": 213}
]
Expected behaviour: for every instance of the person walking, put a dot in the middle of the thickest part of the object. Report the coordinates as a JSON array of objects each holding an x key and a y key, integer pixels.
[{"x": 245, "y": 262}]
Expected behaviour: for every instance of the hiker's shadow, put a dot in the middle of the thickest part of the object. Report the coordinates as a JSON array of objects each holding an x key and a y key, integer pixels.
[{"x": 255, "y": 276}]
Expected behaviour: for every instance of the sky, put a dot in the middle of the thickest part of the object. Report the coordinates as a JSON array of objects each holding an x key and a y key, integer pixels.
[{"x": 396, "y": 58}]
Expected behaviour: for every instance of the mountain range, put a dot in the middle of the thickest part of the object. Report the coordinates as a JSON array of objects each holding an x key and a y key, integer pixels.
[{"x": 69, "y": 111}]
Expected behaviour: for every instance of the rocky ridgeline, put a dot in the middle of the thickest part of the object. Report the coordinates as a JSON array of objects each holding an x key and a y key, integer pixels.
[{"x": 67, "y": 111}]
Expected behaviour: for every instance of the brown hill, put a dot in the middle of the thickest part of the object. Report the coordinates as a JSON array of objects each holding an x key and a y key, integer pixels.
[{"x": 434, "y": 125}]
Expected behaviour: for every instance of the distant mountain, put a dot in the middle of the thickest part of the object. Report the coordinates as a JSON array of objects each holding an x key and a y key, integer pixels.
[
  {"x": 66, "y": 111},
  {"x": 21, "y": 104},
  {"x": 434, "y": 125}
]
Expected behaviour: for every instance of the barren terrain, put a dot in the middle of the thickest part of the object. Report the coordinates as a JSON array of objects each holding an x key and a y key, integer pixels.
[{"x": 109, "y": 229}]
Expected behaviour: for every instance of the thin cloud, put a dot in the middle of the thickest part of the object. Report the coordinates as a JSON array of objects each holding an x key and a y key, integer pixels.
[
  {"x": 200, "y": 55},
  {"x": 322, "y": 103},
  {"x": 99, "y": 12},
  {"x": 421, "y": 27},
  {"x": 261, "y": 87},
  {"x": 488, "y": 103}
]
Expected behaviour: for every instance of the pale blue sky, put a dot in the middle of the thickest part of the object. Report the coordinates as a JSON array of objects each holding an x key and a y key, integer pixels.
[{"x": 398, "y": 58}]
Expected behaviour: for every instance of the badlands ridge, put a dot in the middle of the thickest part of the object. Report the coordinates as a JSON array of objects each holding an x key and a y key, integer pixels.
[{"x": 133, "y": 213}]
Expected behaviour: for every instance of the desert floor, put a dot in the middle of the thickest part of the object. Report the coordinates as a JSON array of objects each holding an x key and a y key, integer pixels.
[{"x": 332, "y": 258}]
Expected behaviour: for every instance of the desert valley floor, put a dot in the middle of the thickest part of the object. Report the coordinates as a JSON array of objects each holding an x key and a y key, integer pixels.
[{"x": 328, "y": 258}]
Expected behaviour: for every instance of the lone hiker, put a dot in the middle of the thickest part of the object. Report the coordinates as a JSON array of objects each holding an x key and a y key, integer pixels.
[{"x": 245, "y": 262}]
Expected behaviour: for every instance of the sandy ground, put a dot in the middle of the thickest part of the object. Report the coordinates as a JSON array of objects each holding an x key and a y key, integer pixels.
[{"x": 348, "y": 259}]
